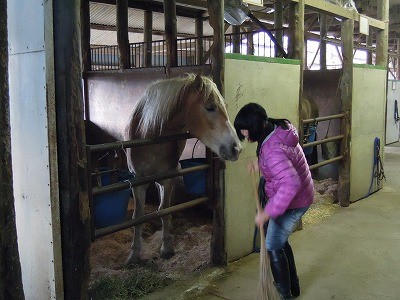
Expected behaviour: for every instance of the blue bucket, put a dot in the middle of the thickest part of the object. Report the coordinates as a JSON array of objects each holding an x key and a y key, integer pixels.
[
  {"x": 310, "y": 134},
  {"x": 111, "y": 208},
  {"x": 195, "y": 182}
]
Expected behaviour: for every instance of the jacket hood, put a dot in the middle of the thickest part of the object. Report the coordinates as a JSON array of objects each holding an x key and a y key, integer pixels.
[{"x": 288, "y": 137}]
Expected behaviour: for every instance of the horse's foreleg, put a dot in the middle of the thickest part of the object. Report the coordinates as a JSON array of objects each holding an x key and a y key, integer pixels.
[
  {"x": 139, "y": 197},
  {"x": 165, "y": 193}
]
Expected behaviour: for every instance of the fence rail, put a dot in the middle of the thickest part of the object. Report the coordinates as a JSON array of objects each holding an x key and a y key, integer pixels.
[
  {"x": 129, "y": 183},
  {"x": 323, "y": 141}
]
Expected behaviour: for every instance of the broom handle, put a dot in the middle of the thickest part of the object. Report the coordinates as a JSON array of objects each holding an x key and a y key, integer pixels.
[{"x": 255, "y": 190}]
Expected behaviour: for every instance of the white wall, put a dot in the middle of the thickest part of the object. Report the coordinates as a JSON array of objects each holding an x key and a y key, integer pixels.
[{"x": 37, "y": 213}]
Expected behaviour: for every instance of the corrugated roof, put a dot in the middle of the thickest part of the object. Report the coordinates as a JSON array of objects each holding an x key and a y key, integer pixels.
[{"x": 104, "y": 15}]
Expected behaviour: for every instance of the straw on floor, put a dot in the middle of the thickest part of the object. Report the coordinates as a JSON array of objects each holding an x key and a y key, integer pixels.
[{"x": 266, "y": 287}]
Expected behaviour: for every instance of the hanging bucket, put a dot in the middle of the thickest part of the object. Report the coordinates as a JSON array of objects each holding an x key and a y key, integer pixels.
[
  {"x": 111, "y": 208},
  {"x": 195, "y": 182},
  {"x": 309, "y": 134}
]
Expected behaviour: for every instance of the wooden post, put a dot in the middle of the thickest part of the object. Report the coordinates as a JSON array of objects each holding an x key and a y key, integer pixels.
[
  {"x": 296, "y": 42},
  {"x": 10, "y": 267},
  {"x": 369, "y": 45},
  {"x": 346, "y": 86},
  {"x": 170, "y": 34},
  {"x": 86, "y": 53},
  {"x": 148, "y": 33},
  {"x": 296, "y": 51},
  {"x": 218, "y": 253},
  {"x": 236, "y": 40},
  {"x": 71, "y": 140},
  {"x": 199, "y": 41},
  {"x": 398, "y": 58},
  {"x": 85, "y": 21},
  {"x": 278, "y": 21},
  {"x": 382, "y": 35},
  {"x": 122, "y": 34},
  {"x": 322, "y": 34},
  {"x": 250, "y": 39}
]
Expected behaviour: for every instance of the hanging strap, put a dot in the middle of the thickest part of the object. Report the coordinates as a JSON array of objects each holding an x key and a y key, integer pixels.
[
  {"x": 396, "y": 112},
  {"x": 378, "y": 172}
]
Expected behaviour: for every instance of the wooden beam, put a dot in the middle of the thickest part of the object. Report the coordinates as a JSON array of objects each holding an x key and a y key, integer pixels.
[
  {"x": 278, "y": 24},
  {"x": 147, "y": 37},
  {"x": 170, "y": 33},
  {"x": 322, "y": 33},
  {"x": 72, "y": 160},
  {"x": 218, "y": 254},
  {"x": 338, "y": 11},
  {"x": 199, "y": 41},
  {"x": 122, "y": 34},
  {"x": 85, "y": 31},
  {"x": 382, "y": 35},
  {"x": 346, "y": 86},
  {"x": 236, "y": 39}
]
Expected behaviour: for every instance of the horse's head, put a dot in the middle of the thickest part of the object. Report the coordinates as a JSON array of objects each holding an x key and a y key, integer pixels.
[{"x": 207, "y": 118}]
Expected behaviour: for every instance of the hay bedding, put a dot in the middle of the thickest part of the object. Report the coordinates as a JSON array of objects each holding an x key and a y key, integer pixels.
[
  {"x": 324, "y": 201},
  {"x": 191, "y": 235},
  {"x": 191, "y": 238}
]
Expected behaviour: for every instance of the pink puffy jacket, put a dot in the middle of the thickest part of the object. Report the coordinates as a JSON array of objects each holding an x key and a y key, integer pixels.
[{"x": 288, "y": 178}]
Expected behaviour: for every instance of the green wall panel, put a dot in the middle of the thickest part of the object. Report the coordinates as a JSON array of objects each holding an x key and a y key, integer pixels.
[
  {"x": 275, "y": 85},
  {"x": 368, "y": 122}
]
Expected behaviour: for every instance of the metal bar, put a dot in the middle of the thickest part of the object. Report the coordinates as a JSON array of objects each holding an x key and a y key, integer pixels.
[
  {"x": 137, "y": 143},
  {"x": 148, "y": 217},
  {"x": 329, "y": 139},
  {"x": 320, "y": 119},
  {"x": 271, "y": 36},
  {"x": 140, "y": 181},
  {"x": 326, "y": 162}
]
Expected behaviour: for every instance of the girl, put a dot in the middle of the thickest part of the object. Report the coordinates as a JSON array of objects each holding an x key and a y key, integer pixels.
[{"x": 289, "y": 187}]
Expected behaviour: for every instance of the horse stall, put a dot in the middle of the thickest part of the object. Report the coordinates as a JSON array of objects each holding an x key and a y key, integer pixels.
[
  {"x": 115, "y": 94},
  {"x": 74, "y": 128}
]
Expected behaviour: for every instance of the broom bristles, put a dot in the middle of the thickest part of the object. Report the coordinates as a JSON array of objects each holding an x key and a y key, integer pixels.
[{"x": 266, "y": 286}]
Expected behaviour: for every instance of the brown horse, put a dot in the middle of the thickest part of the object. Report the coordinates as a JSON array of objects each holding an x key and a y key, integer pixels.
[
  {"x": 185, "y": 104},
  {"x": 309, "y": 110}
]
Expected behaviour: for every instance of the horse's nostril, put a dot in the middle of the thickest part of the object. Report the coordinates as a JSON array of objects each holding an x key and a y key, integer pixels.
[{"x": 236, "y": 149}]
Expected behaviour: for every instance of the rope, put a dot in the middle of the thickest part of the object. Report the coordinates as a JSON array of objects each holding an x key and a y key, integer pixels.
[{"x": 378, "y": 172}]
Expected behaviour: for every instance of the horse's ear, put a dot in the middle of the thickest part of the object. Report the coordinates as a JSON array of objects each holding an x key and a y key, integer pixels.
[{"x": 198, "y": 83}]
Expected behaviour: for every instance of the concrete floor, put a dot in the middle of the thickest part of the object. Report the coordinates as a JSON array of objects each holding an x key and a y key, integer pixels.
[{"x": 353, "y": 254}]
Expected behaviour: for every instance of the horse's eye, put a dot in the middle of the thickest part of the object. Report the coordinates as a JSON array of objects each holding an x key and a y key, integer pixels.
[{"x": 211, "y": 107}]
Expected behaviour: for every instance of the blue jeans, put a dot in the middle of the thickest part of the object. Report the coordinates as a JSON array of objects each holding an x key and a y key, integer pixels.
[{"x": 280, "y": 228}]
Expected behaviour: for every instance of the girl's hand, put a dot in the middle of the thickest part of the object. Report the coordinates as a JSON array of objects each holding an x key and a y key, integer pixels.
[
  {"x": 261, "y": 218},
  {"x": 252, "y": 167}
]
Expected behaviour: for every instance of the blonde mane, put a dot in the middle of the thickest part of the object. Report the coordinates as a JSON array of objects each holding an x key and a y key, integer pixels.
[{"x": 163, "y": 99}]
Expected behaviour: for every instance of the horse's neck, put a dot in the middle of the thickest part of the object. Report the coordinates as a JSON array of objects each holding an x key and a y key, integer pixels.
[{"x": 174, "y": 126}]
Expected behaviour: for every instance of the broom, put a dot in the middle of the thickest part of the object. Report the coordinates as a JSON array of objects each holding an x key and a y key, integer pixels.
[{"x": 266, "y": 286}]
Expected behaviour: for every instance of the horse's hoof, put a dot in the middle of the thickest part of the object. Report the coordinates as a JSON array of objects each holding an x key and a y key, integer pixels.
[
  {"x": 167, "y": 254},
  {"x": 133, "y": 260}
]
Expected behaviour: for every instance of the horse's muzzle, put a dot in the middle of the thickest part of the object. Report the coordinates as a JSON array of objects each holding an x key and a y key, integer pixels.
[{"x": 230, "y": 153}]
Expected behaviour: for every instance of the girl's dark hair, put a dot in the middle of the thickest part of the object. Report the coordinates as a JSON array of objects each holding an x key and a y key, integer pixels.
[{"x": 253, "y": 117}]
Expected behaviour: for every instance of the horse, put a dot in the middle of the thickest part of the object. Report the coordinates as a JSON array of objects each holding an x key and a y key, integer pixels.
[
  {"x": 309, "y": 110},
  {"x": 190, "y": 104}
]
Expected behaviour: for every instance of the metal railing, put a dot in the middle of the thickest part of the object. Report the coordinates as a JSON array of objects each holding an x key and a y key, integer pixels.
[
  {"x": 322, "y": 141},
  {"x": 188, "y": 54},
  {"x": 129, "y": 183}
]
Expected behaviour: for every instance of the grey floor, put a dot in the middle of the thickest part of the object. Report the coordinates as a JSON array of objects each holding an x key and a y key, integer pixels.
[{"x": 353, "y": 254}]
